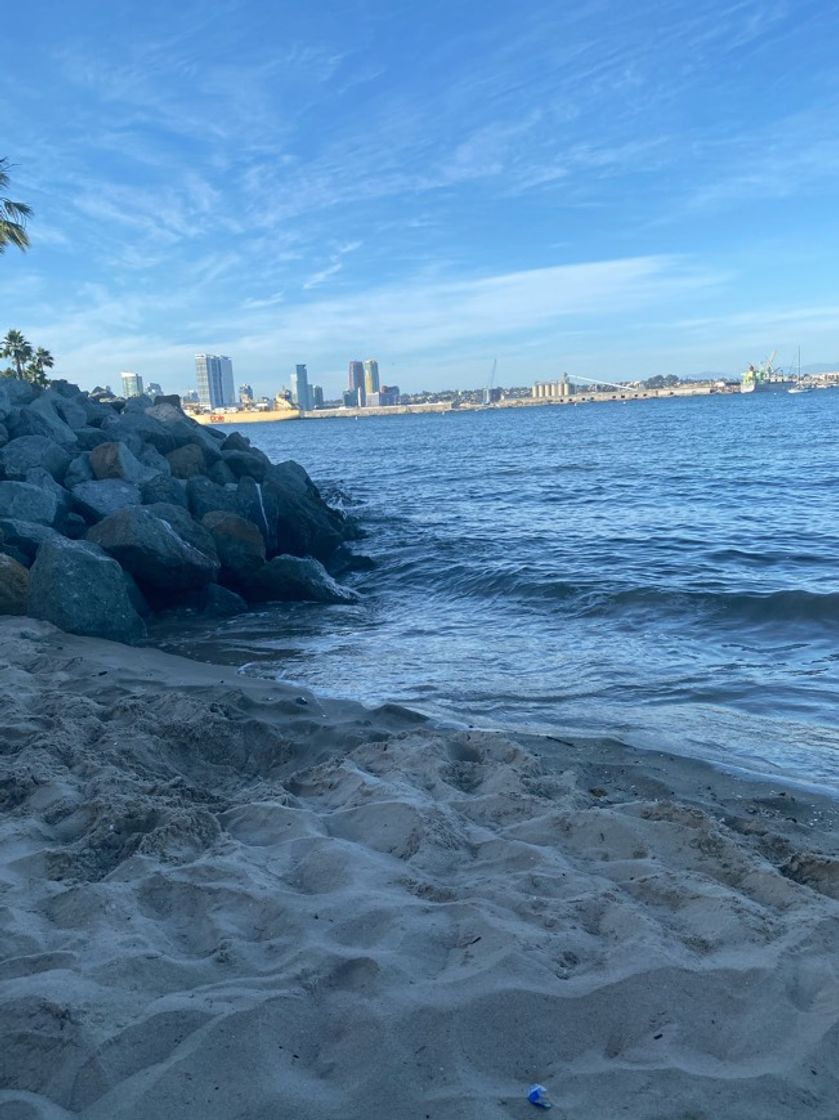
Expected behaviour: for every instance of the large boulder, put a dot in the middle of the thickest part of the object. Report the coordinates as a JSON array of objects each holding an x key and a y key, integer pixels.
[
  {"x": 14, "y": 392},
  {"x": 4, "y": 435},
  {"x": 24, "y": 537},
  {"x": 66, "y": 407},
  {"x": 79, "y": 470},
  {"x": 149, "y": 548},
  {"x": 214, "y": 601},
  {"x": 78, "y": 588},
  {"x": 293, "y": 579},
  {"x": 186, "y": 527},
  {"x": 37, "y": 476},
  {"x": 188, "y": 461},
  {"x": 114, "y": 460},
  {"x": 102, "y": 497},
  {"x": 136, "y": 428},
  {"x": 151, "y": 457},
  {"x": 306, "y": 525},
  {"x": 51, "y": 410},
  {"x": 22, "y": 454},
  {"x": 204, "y": 496},
  {"x": 14, "y": 584},
  {"x": 30, "y": 422},
  {"x": 28, "y": 502},
  {"x": 184, "y": 430},
  {"x": 247, "y": 464},
  {"x": 88, "y": 438},
  {"x": 239, "y": 544},
  {"x": 164, "y": 488}
]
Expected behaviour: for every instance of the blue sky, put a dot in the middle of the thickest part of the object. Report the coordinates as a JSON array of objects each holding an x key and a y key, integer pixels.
[{"x": 613, "y": 189}]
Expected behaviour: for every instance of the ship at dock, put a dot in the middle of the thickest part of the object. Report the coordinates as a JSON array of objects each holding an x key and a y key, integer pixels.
[{"x": 765, "y": 378}]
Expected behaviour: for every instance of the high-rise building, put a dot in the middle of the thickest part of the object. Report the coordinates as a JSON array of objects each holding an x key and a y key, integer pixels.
[
  {"x": 214, "y": 375},
  {"x": 316, "y": 394},
  {"x": 246, "y": 394},
  {"x": 355, "y": 381},
  {"x": 389, "y": 394},
  {"x": 132, "y": 385},
  {"x": 371, "y": 376},
  {"x": 352, "y": 398},
  {"x": 300, "y": 393},
  {"x": 154, "y": 389},
  {"x": 300, "y": 388}
]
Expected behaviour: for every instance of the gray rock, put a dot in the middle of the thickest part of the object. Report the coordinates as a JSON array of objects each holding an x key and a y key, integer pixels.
[
  {"x": 185, "y": 431},
  {"x": 186, "y": 527},
  {"x": 188, "y": 461},
  {"x": 67, "y": 408},
  {"x": 79, "y": 470},
  {"x": 138, "y": 404},
  {"x": 256, "y": 505},
  {"x": 295, "y": 578},
  {"x": 4, "y": 435},
  {"x": 52, "y": 410},
  {"x": 221, "y": 474},
  {"x": 136, "y": 428},
  {"x": 247, "y": 464},
  {"x": 164, "y": 489},
  {"x": 29, "y": 422},
  {"x": 25, "y": 537},
  {"x": 138, "y": 599},
  {"x": 150, "y": 549},
  {"x": 14, "y": 584},
  {"x": 24, "y": 501},
  {"x": 15, "y": 392},
  {"x": 75, "y": 586},
  {"x": 204, "y": 496},
  {"x": 215, "y": 601},
  {"x": 75, "y": 527},
  {"x": 114, "y": 460},
  {"x": 239, "y": 544},
  {"x": 152, "y": 458},
  {"x": 306, "y": 525},
  {"x": 236, "y": 442},
  {"x": 102, "y": 497},
  {"x": 37, "y": 476},
  {"x": 25, "y": 452},
  {"x": 89, "y": 438}
]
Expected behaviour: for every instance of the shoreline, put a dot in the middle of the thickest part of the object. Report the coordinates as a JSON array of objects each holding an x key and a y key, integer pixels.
[
  {"x": 255, "y": 417},
  {"x": 220, "y": 901}
]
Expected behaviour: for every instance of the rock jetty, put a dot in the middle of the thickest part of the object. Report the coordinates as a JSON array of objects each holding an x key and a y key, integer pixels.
[{"x": 112, "y": 511}]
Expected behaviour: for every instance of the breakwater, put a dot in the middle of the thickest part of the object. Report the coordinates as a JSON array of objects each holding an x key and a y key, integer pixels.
[{"x": 241, "y": 416}]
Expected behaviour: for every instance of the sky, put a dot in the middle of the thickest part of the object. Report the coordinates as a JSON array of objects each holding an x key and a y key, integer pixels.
[{"x": 610, "y": 189}]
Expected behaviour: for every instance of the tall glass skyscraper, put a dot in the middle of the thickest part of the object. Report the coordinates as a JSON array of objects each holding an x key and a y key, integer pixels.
[
  {"x": 300, "y": 388},
  {"x": 132, "y": 385},
  {"x": 214, "y": 375},
  {"x": 371, "y": 376}
]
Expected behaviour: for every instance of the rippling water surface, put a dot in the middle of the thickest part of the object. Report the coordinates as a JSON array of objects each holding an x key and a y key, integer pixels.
[{"x": 664, "y": 571}]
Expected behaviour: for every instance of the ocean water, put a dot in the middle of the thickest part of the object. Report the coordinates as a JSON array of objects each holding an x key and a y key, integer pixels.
[{"x": 665, "y": 572}]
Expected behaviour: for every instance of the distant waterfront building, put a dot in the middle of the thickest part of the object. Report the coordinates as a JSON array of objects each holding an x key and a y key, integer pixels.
[
  {"x": 352, "y": 398},
  {"x": 554, "y": 390},
  {"x": 373, "y": 400},
  {"x": 389, "y": 395},
  {"x": 371, "y": 376},
  {"x": 154, "y": 390},
  {"x": 189, "y": 396},
  {"x": 214, "y": 377},
  {"x": 246, "y": 394},
  {"x": 316, "y": 396},
  {"x": 300, "y": 388},
  {"x": 132, "y": 385}
]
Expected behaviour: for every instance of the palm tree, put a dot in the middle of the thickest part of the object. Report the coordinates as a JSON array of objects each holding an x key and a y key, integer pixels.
[
  {"x": 15, "y": 346},
  {"x": 41, "y": 360},
  {"x": 13, "y": 216}
]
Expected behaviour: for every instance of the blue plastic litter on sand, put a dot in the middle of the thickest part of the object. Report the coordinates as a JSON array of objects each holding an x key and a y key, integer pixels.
[{"x": 538, "y": 1095}]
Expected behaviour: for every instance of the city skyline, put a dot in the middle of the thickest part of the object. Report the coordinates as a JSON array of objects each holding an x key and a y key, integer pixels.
[{"x": 553, "y": 193}]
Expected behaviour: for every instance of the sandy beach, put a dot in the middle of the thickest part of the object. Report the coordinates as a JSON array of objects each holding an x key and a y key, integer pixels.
[{"x": 222, "y": 897}]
